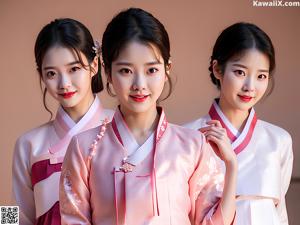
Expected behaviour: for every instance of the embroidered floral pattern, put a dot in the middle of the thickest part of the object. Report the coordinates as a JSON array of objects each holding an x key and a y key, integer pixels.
[
  {"x": 72, "y": 197},
  {"x": 95, "y": 142},
  {"x": 203, "y": 180},
  {"x": 218, "y": 181},
  {"x": 162, "y": 129},
  {"x": 213, "y": 176},
  {"x": 212, "y": 165}
]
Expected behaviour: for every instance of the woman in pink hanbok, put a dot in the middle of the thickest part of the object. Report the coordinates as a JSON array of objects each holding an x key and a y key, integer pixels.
[
  {"x": 242, "y": 65},
  {"x": 68, "y": 68},
  {"x": 139, "y": 169}
]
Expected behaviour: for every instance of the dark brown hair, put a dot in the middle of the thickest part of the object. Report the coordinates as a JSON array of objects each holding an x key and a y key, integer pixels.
[
  {"x": 71, "y": 34},
  {"x": 234, "y": 41},
  {"x": 134, "y": 24}
]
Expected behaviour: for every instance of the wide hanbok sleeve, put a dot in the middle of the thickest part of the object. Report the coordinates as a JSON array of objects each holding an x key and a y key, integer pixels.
[
  {"x": 206, "y": 186},
  {"x": 74, "y": 193},
  {"x": 285, "y": 177},
  {"x": 23, "y": 195}
]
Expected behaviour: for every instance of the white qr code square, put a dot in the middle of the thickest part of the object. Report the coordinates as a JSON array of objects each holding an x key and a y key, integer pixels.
[{"x": 9, "y": 215}]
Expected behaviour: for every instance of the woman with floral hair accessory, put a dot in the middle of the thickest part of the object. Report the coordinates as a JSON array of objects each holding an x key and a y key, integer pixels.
[
  {"x": 140, "y": 169},
  {"x": 68, "y": 68}
]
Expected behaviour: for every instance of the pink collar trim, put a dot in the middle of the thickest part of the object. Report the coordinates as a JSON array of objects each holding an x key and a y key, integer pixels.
[
  {"x": 238, "y": 141},
  {"x": 64, "y": 122},
  {"x": 162, "y": 125}
]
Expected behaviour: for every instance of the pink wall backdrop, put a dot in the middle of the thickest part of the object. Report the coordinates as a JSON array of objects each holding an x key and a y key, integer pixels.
[{"x": 193, "y": 26}]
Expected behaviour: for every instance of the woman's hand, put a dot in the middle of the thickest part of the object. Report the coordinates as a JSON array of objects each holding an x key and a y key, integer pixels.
[{"x": 216, "y": 135}]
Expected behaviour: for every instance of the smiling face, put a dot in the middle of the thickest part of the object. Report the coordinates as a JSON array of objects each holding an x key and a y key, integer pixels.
[
  {"x": 138, "y": 76},
  {"x": 244, "y": 81},
  {"x": 66, "y": 79}
]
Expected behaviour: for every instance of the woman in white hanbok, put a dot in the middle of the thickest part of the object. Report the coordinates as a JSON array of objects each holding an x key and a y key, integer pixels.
[{"x": 242, "y": 65}]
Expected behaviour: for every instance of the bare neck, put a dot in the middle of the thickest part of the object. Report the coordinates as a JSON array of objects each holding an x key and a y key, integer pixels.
[
  {"x": 78, "y": 111},
  {"x": 236, "y": 117},
  {"x": 141, "y": 124}
]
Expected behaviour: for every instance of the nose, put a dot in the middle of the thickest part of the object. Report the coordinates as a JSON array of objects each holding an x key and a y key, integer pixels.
[
  {"x": 64, "y": 82},
  {"x": 139, "y": 82},
  {"x": 249, "y": 84}
]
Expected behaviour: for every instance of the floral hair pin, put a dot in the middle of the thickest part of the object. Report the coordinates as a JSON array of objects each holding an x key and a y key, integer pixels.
[{"x": 97, "y": 48}]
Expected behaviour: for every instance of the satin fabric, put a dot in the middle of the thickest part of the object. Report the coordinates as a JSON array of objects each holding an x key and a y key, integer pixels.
[
  {"x": 178, "y": 182},
  {"x": 37, "y": 162},
  {"x": 264, "y": 168}
]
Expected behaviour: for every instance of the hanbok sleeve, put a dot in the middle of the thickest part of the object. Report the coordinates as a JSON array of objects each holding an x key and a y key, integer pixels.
[
  {"x": 74, "y": 193},
  {"x": 206, "y": 187},
  {"x": 286, "y": 173},
  {"x": 22, "y": 193}
]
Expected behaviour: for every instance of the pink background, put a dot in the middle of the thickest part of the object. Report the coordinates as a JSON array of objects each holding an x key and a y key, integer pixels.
[{"x": 193, "y": 27}]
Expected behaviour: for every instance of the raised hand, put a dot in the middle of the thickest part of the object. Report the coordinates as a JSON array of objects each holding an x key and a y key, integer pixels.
[{"x": 216, "y": 135}]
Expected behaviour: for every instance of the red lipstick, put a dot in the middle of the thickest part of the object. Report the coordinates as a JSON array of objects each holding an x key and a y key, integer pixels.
[
  {"x": 245, "y": 98},
  {"x": 139, "y": 98},
  {"x": 67, "y": 94}
]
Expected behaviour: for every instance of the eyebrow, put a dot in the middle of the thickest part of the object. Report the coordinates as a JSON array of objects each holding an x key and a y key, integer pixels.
[
  {"x": 131, "y": 64},
  {"x": 245, "y": 67},
  {"x": 69, "y": 64}
]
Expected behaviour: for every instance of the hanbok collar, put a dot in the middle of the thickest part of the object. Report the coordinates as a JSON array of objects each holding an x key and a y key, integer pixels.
[
  {"x": 124, "y": 136},
  {"x": 67, "y": 128},
  {"x": 238, "y": 140},
  {"x": 136, "y": 153}
]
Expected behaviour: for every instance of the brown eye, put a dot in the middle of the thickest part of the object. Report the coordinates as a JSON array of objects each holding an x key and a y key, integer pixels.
[
  {"x": 239, "y": 72},
  {"x": 152, "y": 70},
  {"x": 75, "y": 68},
  {"x": 50, "y": 74},
  {"x": 125, "y": 71},
  {"x": 262, "y": 76}
]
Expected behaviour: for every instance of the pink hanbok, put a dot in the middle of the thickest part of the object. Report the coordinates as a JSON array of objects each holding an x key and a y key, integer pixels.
[
  {"x": 37, "y": 163},
  {"x": 109, "y": 179}
]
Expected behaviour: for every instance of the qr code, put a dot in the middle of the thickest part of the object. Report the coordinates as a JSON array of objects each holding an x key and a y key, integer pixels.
[{"x": 9, "y": 215}]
